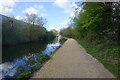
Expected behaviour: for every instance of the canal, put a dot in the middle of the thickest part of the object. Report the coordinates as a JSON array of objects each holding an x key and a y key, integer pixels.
[{"x": 24, "y": 56}]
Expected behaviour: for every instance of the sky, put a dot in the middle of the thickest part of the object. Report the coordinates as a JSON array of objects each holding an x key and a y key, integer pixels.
[{"x": 58, "y": 13}]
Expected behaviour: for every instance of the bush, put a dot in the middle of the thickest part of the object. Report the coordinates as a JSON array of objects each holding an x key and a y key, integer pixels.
[
  {"x": 67, "y": 32},
  {"x": 113, "y": 52},
  {"x": 18, "y": 32},
  {"x": 43, "y": 58},
  {"x": 62, "y": 40},
  {"x": 24, "y": 75},
  {"x": 33, "y": 68},
  {"x": 20, "y": 69},
  {"x": 106, "y": 53}
]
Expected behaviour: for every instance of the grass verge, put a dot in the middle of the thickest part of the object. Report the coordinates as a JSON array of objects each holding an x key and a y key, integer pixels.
[
  {"x": 43, "y": 58},
  {"x": 26, "y": 74},
  {"x": 106, "y": 52}
]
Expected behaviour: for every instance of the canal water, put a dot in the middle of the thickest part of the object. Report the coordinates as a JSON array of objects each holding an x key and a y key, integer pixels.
[{"x": 24, "y": 56}]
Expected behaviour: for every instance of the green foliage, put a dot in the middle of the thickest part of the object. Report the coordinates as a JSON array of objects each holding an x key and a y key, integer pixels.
[
  {"x": 66, "y": 32},
  {"x": 24, "y": 75},
  {"x": 33, "y": 68},
  {"x": 113, "y": 53},
  {"x": 20, "y": 69},
  {"x": 43, "y": 58},
  {"x": 96, "y": 28},
  {"x": 50, "y": 36},
  {"x": 54, "y": 31},
  {"x": 35, "y": 20},
  {"x": 96, "y": 21},
  {"x": 62, "y": 40},
  {"x": 36, "y": 32},
  {"x": 106, "y": 53},
  {"x": 17, "y": 32}
]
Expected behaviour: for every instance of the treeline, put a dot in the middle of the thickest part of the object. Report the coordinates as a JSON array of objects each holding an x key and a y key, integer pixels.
[
  {"x": 96, "y": 20},
  {"x": 67, "y": 32},
  {"x": 97, "y": 28},
  {"x": 17, "y": 32}
]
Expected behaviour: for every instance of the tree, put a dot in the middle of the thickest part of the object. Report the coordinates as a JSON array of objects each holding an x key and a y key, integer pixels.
[
  {"x": 41, "y": 21},
  {"x": 35, "y": 20},
  {"x": 31, "y": 18},
  {"x": 67, "y": 32},
  {"x": 54, "y": 31},
  {"x": 96, "y": 20}
]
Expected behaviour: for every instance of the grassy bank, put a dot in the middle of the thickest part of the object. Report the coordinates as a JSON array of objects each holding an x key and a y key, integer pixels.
[
  {"x": 42, "y": 58},
  {"x": 27, "y": 73},
  {"x": 16, "y": 32},
  {"x": 62, "y": 40},
  {"x": 106, "y": 52},
  {"x": 96, "y": 28}
]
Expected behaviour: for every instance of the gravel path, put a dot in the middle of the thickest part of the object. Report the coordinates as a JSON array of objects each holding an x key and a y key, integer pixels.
[{"x": 72, "y": 61}]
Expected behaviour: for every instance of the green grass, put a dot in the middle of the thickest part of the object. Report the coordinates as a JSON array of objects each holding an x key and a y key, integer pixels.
[
  {"x": 43, "y": 58},
  {"x": 62, "y": 40},
  {"x": 106, "y": 53},
  {"x": 24, "y": 76}
]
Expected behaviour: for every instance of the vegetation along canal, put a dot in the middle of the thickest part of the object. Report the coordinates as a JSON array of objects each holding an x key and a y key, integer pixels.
[{"x": 25, "y": 57}]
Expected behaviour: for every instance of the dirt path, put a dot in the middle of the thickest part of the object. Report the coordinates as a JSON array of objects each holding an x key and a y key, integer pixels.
[{"x": 72, "y": 61}]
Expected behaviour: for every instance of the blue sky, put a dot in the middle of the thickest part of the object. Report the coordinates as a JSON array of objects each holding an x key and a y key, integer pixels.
[
  {"x": 57, "y": 13},
  {"x": 55, "y": 16}
]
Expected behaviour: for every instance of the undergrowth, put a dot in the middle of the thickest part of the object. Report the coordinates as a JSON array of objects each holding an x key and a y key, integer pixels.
[{"x": 107, "y": 53}]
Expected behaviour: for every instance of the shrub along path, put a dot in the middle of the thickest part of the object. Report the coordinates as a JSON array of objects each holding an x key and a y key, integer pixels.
[{"x": 72, "y": 61}]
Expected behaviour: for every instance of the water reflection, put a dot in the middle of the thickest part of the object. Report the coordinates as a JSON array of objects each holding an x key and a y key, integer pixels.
[
  {"x": 24, "y": 56},
  {"x": 21, "y": 50},
  {"x": 51, "y": 48}
]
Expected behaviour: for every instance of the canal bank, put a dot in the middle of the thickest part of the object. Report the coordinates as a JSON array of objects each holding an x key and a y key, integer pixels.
[
  {"x": 72, "y": 61},
  {"x": 25, "y": 58}
]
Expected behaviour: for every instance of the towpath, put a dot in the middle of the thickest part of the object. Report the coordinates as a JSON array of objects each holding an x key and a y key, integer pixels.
[{"x": 72, "y": 61}]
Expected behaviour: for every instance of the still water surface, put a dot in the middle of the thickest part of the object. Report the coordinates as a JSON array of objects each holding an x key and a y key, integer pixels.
[{"x": 25, "y": 56}]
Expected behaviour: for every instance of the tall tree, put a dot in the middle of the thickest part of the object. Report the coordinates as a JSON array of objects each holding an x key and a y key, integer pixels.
[
  {"x": 97, "y": 19},
  {"x": 31, "y": 18}
]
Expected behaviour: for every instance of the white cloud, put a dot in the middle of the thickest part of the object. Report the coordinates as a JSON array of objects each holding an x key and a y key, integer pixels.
[
  {"x": 6, "y": 10},
  {"x": 65, "y": 26},
  {"x": 62, "y": 3},
  {"x": 8, "y": 3},
  {"x": 68, "y": 7},
  {"x": 74, "y": 5},
  {"x": 30, "y": 11},
  {"x": 75, "y": 14},
  {"x": 18, "y": 17},
  {"x": 24, "y": 19},
  {"x": 72, "y": 15},
  {"x": 59, "y": 26},
  {"x": 6, "y": 6},
  {"x": 35, "y": 9},
  {"x": 65, "y": 4},
  {"x": 65, "y": 23}
]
